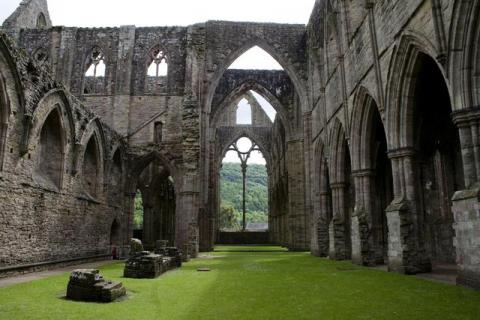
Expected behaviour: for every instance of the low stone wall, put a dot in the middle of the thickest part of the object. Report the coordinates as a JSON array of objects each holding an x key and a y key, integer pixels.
[
  {"x": 243, "y": 237},
  {"x": 11, "y": 271}
]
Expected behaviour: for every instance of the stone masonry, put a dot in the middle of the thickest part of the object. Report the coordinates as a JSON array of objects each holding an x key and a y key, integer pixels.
[{"x": 373, "y": 155}]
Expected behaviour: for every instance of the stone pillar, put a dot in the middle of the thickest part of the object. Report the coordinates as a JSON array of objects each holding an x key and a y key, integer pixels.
[
  {"x": 406, "y": 252},
  {"x": 127, "y": 225},
  {"x": 338, "y": 232},
  {"x": 468, "y": 123},
  {"x": 362, "y": 229},
  {"x": 186, "y": 226},
  {"x": 297, "y": 220},
  {"x": 466, "y": 203},
  {"x": 466, "y": 211}
]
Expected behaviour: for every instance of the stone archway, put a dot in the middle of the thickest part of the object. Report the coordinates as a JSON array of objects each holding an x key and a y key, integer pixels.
[
  {"x": 425, "y": 171},
  {"x": 372, "y": 175}
]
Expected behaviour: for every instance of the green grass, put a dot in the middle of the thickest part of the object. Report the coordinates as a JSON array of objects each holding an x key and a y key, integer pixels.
[{"x": 252, "y": 283}]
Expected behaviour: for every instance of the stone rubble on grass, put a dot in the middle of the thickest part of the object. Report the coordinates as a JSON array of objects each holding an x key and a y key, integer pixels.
[
  {"x": 89, "y": 285},
  {"x": 146, "y": 264}
]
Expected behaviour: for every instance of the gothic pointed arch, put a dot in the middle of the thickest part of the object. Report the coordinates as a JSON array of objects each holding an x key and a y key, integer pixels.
[
  {"x": 399, "y": 83},
  {"x": 4, "y": 115},
  {"x": 91, "y": 166},
  {"x": 50, "y": 151},
  {"x": 243, "y": 88},
  {"x": 322, "y": 201},
  {"x": 257, "y": 139},
  {"x": 297, "y": 79},
  {"x": 95, "y": 70}
]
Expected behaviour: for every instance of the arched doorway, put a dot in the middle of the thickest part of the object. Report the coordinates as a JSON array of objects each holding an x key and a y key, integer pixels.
[
  {"x": 155, "y": 205},
  {"x": 438, "y": 166},
  {"x": 115, "y": 238}
]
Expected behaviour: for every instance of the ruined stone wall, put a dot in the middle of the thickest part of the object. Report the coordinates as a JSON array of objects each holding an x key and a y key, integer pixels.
[
  {"x": 350, "y": 97},
  {"x": 30, "y": 14},
  {"x": 45, "y": 217},
  {"x": 364, "y": 53}
]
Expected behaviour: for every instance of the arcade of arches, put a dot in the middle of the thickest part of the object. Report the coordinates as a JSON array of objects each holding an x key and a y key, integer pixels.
[{"x": 373, "y": 155}]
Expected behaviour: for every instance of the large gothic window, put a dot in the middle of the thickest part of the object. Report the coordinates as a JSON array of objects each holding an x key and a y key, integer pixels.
[
  {"x": 243, "y": 188},
  {"x": 95, "y": 72},
  {"x": 158, "y": 66},
  {"x": 157, "y": 71}
]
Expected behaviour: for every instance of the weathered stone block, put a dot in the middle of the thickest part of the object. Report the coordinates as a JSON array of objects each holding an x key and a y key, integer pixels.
[
  {"x": 89, "y": 285},
  {"x": 467, "y": 225}
]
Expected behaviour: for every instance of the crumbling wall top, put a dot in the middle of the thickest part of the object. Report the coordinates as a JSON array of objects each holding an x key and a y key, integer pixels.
[{"x": 30, "y": 14}]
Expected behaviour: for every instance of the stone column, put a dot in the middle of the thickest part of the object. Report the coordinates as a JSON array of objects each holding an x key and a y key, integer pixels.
[
  {"x": 406, "y": 252},
  {"x": 362, "y": 223},
  {"x": 127, "y": 225},
  {"x": 297, "y": 220},
  {"x": 337, "y": 232},
  {"x": 186, "y": 226},
  {"x": 466, "y": 203}
]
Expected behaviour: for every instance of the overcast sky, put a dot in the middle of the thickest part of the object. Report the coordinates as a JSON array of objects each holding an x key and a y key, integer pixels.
[
  {"x": 101, "y": 13},
  {"x": 98, "y": 13}
]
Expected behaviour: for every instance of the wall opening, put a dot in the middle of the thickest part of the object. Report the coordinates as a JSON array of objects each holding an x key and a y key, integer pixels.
[
  {"x": 90, "y": 170},
  {"x": 115, "y": 177},
  {"x": 382, "y": 193},
  {"x": 50, "y": 154},
  {"x": 158, "y": 201},
  {"x": 439, "y": 163},
  {"x": 138, "y": 216},
  {"x": 41, "y": 21},
  {"x": 158, "y": 66},
  {"x": 244, "y": 112},
  {"x": 115, "y": 238},
  {"x": 243, "y": 168},
  {"x": 158, "y": 132},
  {"x": 349, "y": 201},
  {"x": 256, "y": 59},
  {"x": 156, "y": 71},
  {"x": 95, "y": 72}
]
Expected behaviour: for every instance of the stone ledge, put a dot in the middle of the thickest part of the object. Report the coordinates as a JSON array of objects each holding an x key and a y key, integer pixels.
[
  {"x": 44, "y": 265},
  {"x": 470, "y": 193}
]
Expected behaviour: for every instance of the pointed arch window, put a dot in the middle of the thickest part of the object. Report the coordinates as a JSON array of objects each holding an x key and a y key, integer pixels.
[
  {"x": 158, "y": 66},
  {"x": 116, "y": 174},
  {"x": 41, "y": 56},
  {"x": 96, "y": 63},
  {"x": 90, "y": 168},
  {"x": 41, "y": 21},
  {"x": 255, "y": 58},
  {"x": 50, "y": 154},
  {"x": 244, "y": 112},
  {"x": 95, "y": 72}
]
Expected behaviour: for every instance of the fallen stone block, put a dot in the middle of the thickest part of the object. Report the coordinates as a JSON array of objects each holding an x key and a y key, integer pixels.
[{"x": 89, "y": 285}]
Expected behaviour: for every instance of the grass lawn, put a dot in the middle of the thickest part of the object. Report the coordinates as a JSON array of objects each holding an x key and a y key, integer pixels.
[{"x": 252, "y": 283}]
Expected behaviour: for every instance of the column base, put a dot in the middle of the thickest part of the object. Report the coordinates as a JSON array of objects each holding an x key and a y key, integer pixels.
[
  {"x": 466, "y": 212},
  {"x": 404, "y": 256}
]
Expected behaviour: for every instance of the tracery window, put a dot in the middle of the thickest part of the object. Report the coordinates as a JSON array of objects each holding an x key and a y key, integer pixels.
[{"x": 159, "y": 65}]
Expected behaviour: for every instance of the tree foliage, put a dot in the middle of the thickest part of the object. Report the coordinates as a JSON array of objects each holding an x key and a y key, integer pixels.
[{"x": 231, "y": 195}]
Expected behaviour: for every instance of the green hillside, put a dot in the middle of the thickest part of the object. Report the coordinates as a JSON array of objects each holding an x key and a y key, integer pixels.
[{"x": 231, "y": 195}]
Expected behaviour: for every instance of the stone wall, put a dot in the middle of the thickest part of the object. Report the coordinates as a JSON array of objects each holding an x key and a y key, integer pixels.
[
  {"x": 374, "y": 53},
  {"x": 52, "y": 217},
  {"x": 359, "y": 82}
]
